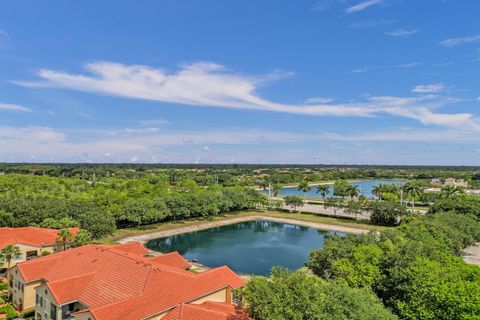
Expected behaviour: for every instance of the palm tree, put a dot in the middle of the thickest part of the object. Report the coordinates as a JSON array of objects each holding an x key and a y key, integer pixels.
[
  {"x": 413, "y": 190},
  {"x": 276, "y": 189},
  {"x": 352, "y": 191},
  {"x": 8, "y": 253},
  {"x": 304, "y": 187},
  {"x": 64, "y": 237},
  {"x": 378, "y": 190},
  {"x": 449, "y": 191},
  {"x": 324, "y": 190}
]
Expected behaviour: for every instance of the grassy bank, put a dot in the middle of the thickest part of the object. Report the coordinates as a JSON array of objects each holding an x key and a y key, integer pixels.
[{"x": 123, "y": 233}]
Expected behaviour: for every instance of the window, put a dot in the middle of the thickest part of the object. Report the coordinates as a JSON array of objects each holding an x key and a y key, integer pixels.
[
  {"x": 37, "y": 299},
  {"x": 53, "y": 311}
]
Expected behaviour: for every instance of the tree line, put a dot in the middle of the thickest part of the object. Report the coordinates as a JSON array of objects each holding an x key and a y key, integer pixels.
[{"x": 100, "y": 208}]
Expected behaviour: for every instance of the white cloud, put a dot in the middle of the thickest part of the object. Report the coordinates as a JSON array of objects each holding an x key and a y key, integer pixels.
[
  {"x": 318, "y": 100},
  {"x": 209, "y": 84},
  {"x": 44, "y": 143},
  {"x": 50, "y": 112},
  {"x": 31, "y": 133},
  {"x": 4, "y": 39},
  {"x": 452, "y": 42},
  {"x": 142, "y": 130},
  {"x": 13, "y": 107},
  {"x": 83, "y": 114},
  {"x": 153, "y": 122},
  {"x": 362, "y": 6},
  {"x": 402, "y": 33},
  {"x": 429, "y": 88}
]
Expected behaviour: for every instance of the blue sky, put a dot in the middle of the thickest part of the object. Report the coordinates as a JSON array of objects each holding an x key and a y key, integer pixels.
[{"x": 320, "y": 81}]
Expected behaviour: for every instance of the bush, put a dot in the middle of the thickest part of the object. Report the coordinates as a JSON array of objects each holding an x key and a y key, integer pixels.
[
  {"x": 295, "y": 295},
  {"x": 387, "y": 213}
]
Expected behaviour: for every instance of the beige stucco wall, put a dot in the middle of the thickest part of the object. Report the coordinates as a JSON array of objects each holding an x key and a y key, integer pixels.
[
  {"x": 28, "y": 294},
  {"x": 218, "y": 296},
  {"x": 44, "y": 292},
  {"x": 23, "y": 253}
]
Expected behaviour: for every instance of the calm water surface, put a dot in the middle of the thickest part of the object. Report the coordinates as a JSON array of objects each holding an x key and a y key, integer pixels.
[
  {"x": 247, "y": 247},
  {"x": 365, "y": 188}
]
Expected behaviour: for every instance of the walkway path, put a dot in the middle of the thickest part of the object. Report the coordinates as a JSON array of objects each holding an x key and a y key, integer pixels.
[
  {"x": 207, "y": 225},
  {"x": 472, "y": 254}
]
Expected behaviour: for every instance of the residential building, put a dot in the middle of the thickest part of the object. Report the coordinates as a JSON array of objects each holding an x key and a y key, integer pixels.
[
  {"x": 102, "y": 282},
  {"x": 450, "y": 182},
  {"x": 31, "y": 241}
]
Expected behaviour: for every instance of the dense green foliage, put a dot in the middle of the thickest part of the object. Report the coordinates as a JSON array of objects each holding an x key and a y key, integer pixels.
[
  {"x": 102, "y": 206},
  {"x": 244, "y": 175},
  {"x": 414, "y": 268},
  {"x": 296, "y": 296}
]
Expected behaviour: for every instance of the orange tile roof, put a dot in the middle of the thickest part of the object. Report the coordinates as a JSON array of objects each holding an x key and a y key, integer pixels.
[
  {"x": 36, "y": 237},
  {"x": 173, "y": 259},
  {"x": 206, "y": 311},
  {"x": 117, "y": 284}
]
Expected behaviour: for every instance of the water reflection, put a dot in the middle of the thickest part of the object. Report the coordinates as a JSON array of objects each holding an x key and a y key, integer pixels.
[{"x": 247, "y": 247}]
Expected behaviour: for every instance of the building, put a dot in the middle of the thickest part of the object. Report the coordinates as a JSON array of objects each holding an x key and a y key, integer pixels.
[
  {"x": 101, "y": 282},
  {"x": 31, "y": 241},
  {"x": 450, "y": 182}
]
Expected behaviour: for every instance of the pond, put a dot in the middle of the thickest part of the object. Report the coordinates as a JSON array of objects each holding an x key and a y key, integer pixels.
[
  {"x": 365, "y": 188},
  {"x": 252, "y": 247}
]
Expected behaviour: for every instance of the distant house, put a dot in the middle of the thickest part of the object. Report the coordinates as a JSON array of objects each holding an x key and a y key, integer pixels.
[
  {"x": 103, "y": 282},
  {"x": 30, "y": 240},
  {"x": 450, "y": 182}
]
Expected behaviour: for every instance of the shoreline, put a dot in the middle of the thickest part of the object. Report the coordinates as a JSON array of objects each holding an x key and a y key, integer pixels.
[
  {"x": 143, "y": 238},
  {"x": 471, "y": 254}
]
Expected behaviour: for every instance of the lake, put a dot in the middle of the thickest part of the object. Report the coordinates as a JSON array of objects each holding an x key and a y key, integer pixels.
[
  {"x": 252, "y": 247},
  {"x": 365, "y": 188}
]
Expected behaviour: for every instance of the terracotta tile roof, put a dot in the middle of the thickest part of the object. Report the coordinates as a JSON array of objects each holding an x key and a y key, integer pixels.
[
  {"x": 206, "y": 311},
  {"x": 173, "y": 259},
  {"x": 117, "y": 284},
  {"x": 132, "y": 247},
  {"x": 32, "y": 236}
]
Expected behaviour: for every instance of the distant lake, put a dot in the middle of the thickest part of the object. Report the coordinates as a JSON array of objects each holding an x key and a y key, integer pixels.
[
  {"x": 365, "y": 188},
  {"x": 252, "y": 247}
]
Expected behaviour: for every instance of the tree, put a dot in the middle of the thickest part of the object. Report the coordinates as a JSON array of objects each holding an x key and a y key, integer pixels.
[
  {"x": 387, "y": 213},
  {"x": 82, "y": 238},
  {"x": 59, "y": 224},
  {"x": 294, "y": 295},
  {"x": 450, "y": 191},
  {"x": 352, "y": 191},
  {"x": 276, "y": 188},
  {"x": 324, "y": 190},
  {"x": 332, "y": 203},
  {"x": 304, "y": 187},
  {"x": 8, "y": 253},
  {"x": 413, "y": 190},
  {"x": 65, "y": 237},
  {"x": 294, "y": 202},
  {"x": 340, "y": 188},
  {"x": 354, "y": 207}
]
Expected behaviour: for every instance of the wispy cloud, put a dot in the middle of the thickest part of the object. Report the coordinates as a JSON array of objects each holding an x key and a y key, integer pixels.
[
  {"x": 318, "y": 100},
  {"x": 14, "y": 107},
  {"x": 4, "y": 39},
  {"x": 45, "y": 144},
  {"x": 452, "y": 42},
  {"x": 370, "y": 23},
  {"x": 402, "y": 33},
  {"x": 429, "y": 88},
  {"x": 209, "y": 84},
  {"x": 153, "y": 122},
  {"x": 362, "y": 6},
  {"x": 84, "y": 114}
]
